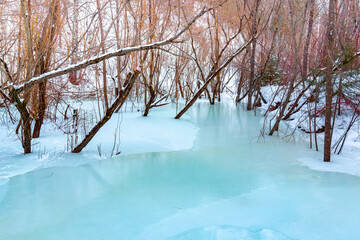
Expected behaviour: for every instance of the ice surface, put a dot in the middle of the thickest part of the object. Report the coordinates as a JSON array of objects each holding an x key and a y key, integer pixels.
[
  {"x": 229, "y": 233},
  {"x": 158, "y": 132},
  {"x": 349, "y": 159},
  {"x": 230, "y": 185}
]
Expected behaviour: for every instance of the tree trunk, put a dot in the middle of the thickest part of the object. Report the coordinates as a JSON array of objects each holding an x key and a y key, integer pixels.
[
  {"x": 49, "y": 34},
  {"x": 150, "y": 102},
  {"x": 294, "y": 105},
  {"x": 210, "y": 77},
  {"x": 294, "y": 73},
  {"x": 26, "y": 132},
  {"x": 241, "y": 80},
  {"x": 252, "y": 57},
  {"x": 328, "y": 79},
  {"x": 305, "y": 60},
  {"x": 41, "y": 110},
  {"x": 25, "y": 121},
  {"x": 284, "y": 106},
  {"x": 117, "y": 104},
  {"x": 308, "y": 38},
  {"x": 102, "y": 43}
]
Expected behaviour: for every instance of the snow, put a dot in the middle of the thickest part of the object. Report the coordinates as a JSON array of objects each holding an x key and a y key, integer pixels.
[
  {"x": 89, "y": 62},
  {"x": 141, "y": 134},
  {"x": 158, "y": 132},
  {"x": 347, "y": 162},
  {"x": 108, "y": 55},
  {"x": 229, "y": 185}
]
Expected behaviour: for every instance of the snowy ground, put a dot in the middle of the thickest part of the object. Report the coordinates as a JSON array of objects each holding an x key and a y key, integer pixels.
[
  {"x": 159, "y": 132},
  {"x": 348, "y": 161},
  {"x": 229, "y": 186}
]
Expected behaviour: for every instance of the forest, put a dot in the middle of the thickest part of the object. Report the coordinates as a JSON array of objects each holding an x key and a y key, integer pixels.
[
  {"x": 71, "y": 68},
  {"x": 160, "y": 51}
]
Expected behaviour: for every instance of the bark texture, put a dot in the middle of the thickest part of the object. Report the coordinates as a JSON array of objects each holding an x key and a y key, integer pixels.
[{"x": 328, "y": 79}]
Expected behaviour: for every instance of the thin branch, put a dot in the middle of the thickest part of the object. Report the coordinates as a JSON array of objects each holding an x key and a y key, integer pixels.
[{"x": 120, "y": 52}]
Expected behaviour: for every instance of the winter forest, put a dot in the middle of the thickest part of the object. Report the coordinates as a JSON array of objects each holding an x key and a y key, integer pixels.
[{"x": 179, "y": 119}]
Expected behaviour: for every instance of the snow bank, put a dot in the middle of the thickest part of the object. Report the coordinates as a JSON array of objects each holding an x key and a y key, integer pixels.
[
  {"x": 347, "y": 162},
  {"x": 349, "y": 159},
  {"x": 340, "y": 164},
  {"x": 159, "y": 132}
]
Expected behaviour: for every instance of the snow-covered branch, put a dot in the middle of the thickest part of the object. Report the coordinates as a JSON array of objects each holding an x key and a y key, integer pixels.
[{"x": 116, "y": 53}]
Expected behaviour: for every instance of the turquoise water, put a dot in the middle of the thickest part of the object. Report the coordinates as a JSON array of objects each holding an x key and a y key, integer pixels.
[{"x": 229, "y": 185}]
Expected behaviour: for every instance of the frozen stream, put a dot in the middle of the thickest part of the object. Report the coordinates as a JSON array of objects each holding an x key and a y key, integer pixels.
[{"x": 228, "y": 186}]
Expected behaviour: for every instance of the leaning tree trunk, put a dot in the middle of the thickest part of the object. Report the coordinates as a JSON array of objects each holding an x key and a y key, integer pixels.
[
  {"x": 25, "y": 121},
  {"x": 210, "y": 77},
  {"x": 295, "y": 104},
  {"x": 304, "y": 72},
  {"x": 293, "y": 78},
  {"x": 117, "y": 104},
  {"x": 284, "y": 106}
]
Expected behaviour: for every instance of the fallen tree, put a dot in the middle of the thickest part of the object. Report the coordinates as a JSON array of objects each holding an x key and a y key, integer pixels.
[
  {"x": 211, "y": 76},
  {"x": 124, "y": 93}
]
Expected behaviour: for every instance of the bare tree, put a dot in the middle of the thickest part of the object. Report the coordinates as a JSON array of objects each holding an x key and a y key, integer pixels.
[
  {"x": 254, "y": 30},
  {"x": 15, "y": 90},
  {"x": 328, "y": 78},
  {"x": 117, "y": 104},
  {"x": 211, "y": 77}
]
